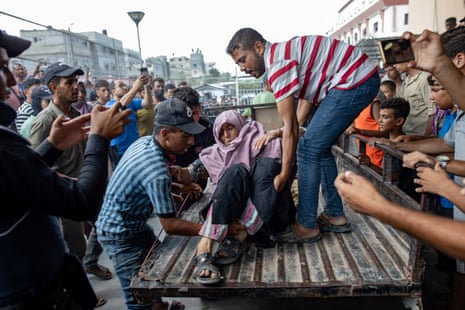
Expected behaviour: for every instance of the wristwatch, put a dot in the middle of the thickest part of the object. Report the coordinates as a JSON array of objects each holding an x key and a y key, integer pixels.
[{"x": 443, "y": 160}]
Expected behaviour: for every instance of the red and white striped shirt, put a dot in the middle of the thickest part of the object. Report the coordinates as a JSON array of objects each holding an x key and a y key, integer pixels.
[{"x": 309, "y": 66}]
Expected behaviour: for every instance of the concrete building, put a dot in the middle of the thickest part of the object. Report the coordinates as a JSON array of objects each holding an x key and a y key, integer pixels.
[
  {"x": 364, "y": 22},
  {"x": 105, "y": 57}
]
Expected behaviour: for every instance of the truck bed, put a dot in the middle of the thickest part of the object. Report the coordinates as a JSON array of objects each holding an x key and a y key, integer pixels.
[{"x": 373, "y": 260}]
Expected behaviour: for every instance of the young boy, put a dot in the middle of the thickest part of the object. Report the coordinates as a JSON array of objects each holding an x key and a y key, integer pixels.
[{"x": 392, "y": 116}]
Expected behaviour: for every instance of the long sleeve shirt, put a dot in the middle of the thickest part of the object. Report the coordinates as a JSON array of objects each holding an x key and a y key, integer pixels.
[{"x": 33, "y": 196}]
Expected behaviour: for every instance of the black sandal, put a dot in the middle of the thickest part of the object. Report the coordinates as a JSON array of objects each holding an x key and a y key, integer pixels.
[
  {"x": 229, "y": 251},
  {"x": 205, "y": 262}
]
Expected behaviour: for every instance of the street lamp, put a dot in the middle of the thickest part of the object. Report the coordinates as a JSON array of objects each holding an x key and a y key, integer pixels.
[{"x": 137, "y": 16}]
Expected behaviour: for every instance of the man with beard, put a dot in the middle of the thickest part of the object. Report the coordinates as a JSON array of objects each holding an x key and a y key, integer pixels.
[{"x": 316, "y": 70}]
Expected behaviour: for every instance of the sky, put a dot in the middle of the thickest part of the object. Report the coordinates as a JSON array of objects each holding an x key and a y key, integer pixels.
[{"x": 176, "y": 27}]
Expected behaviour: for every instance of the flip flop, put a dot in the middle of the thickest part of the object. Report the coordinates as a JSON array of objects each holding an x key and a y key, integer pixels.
[
  {"x": 289, "y": 236},
  {"x": 100, "y": 301},
  {"x": 100, "y": 272},
  {"x": 326, "y": 226},
  {"x": 232, "y": 247},
  {"x": 205, "y": 262}
]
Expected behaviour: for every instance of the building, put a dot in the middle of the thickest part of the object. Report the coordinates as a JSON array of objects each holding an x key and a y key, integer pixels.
[
  {"x": 106, "y": 58},
  {"x": 364, "y": 22}
]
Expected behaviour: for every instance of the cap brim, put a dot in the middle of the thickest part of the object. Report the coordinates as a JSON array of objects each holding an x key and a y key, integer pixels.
[
  {"x": 13, "y": 45},
  {"x": 49, "y": 97},
  {"x": 69, "y": 72},
  {"x": 191, "y": 128}
]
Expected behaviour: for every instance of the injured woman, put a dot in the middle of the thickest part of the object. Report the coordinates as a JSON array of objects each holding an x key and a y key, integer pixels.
[{"x": 244, "y": 204}]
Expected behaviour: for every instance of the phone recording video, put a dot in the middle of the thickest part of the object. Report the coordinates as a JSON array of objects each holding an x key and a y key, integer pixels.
[
  {"x": 394, "y": 51},
  {"x": 144, "y": 70}
]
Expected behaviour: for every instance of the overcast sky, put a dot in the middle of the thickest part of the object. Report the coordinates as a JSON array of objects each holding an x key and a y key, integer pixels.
[{"x": 177, "y": 26}]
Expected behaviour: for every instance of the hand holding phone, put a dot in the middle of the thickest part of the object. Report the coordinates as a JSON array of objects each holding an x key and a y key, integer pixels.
[
  {"x": 394, "y": 51},
  {"x": 144, "y": 70}
]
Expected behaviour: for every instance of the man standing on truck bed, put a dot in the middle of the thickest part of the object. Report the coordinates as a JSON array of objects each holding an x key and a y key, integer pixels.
[{"x": 314, "y": 69}]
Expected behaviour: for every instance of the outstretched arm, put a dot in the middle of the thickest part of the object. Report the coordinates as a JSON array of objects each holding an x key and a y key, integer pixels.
[
  {"x": 429, "y": 56},
  {"x": 361, "y": 195}
]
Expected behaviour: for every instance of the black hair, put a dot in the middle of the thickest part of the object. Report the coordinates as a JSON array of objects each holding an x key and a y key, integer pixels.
[
  {"x": 159, "y": 80},
  {"x": 400, "y": 106},
  {"x": 188, "y": 95},
  {"x": 453, "y": 41},
  {"x": 244, "y": 38},
  {"x": 390, "y": 84},
  {"x": 102, "y": 83},
  {"x": 31, "y": 81}
]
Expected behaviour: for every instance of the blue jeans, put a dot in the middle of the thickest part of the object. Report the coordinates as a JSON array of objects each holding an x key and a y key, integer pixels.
[
  {"x": 127, "y": 256},
  {"x": 316, "y": 164}
]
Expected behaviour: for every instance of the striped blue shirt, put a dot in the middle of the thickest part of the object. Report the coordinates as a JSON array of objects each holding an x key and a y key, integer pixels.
[{"x": 140, "y": 184}]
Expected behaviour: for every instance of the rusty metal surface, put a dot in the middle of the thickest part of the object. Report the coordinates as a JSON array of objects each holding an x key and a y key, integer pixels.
[{"x": 373, "y": 260}]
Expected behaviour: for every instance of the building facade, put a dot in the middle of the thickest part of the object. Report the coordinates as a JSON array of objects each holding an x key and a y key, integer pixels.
[{"x": 105, "y": 57}]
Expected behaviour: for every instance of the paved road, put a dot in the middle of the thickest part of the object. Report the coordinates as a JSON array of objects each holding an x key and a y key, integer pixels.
[{"x": 434, "y": 291}]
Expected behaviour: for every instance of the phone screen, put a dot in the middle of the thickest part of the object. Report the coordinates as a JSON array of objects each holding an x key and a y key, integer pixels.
[
  {"x": 395, "y": 51},
  {"x": 144, "y": 70}
]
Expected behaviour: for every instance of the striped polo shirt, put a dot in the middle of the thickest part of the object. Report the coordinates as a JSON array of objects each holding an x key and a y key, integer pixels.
[
  {"x": 309, "y": 66},
  {"x": 139, "y": 186},
  {"x": 23, "y": 113}
]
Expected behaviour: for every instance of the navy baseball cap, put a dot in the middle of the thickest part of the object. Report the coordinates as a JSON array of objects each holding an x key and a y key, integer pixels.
[
  {"x": 42, "y": 92},
  {"x": 13, "y": 45},
  {"x": 175, "y": 112},
  {"x": 60, "y": 69}
]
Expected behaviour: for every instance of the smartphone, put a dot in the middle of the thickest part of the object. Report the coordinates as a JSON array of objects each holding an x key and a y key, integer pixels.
[
  {"x": 144, "y": 70},
  {"x": 394, "y": 51}
]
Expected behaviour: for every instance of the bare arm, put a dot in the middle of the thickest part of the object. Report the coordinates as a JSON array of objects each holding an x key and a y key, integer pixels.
[
  {"x": 129, "y": 96},
  {"x": 305, "y": 108},
  {"x": 437, "y": 181},
  {"x": 290, "y": 134},
  {"x": 429, "y": 56},
  {"x": 428, "y": 146},
  {"x": 147, "y": 103},
  {"x": 178, "y": 226},
  {"x": 361, "y": 195}
]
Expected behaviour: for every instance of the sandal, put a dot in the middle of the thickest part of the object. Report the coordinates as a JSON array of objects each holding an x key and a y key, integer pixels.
[
  {"x": 100, "y": 272},
  {"x": 326, "y": 226},
  {"x": 100, "y": 301},
  {"x": 205, "y": 262},
  {"x": 289, "y": 236},
  {"x": 229, "y": 251}
]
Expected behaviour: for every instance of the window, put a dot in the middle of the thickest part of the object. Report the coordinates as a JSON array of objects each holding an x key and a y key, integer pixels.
[
  {"x": 406, "y": 19},
  {"x": 375, "y": 27}
]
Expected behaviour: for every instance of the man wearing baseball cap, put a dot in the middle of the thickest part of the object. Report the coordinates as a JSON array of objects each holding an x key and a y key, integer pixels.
[
  {"x": 141, "y": 185},
  {"x": 36, "y": 270}
]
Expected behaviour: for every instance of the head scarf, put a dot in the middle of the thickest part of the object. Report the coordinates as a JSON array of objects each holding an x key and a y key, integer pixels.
[{"x": 218, "y": 157}]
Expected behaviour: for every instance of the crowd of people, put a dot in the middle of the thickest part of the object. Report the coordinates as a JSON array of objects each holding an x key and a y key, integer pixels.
[{"x": 106, "y": 165}]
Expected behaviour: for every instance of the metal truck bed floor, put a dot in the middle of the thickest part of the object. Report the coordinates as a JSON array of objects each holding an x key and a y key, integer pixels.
[{"x": 373, "y": 260}]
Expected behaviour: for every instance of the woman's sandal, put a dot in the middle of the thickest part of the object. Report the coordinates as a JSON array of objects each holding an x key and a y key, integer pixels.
[
  {"x": 205, "y": 262},
  {"x": 100, "y": 301},
  {"x": 229, "y": 251}
]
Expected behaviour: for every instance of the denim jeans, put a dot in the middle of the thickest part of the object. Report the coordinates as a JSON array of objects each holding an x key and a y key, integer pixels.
[
  {"x": 316, "y": 164},
  {"x": 127, "y": 256}
]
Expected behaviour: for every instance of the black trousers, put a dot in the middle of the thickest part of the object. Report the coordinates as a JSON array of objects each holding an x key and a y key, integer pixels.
[{"x": 238, "y": 184}]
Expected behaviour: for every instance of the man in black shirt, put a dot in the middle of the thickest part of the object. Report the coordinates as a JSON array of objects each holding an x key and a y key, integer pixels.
[{"x": 37, "y": 273}]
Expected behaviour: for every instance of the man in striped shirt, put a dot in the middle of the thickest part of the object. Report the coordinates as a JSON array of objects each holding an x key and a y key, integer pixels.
[
  {"x": 141, "y": 185},
  {"x": 25, "y": 110},
  {"x": 319, "y": 71}
]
